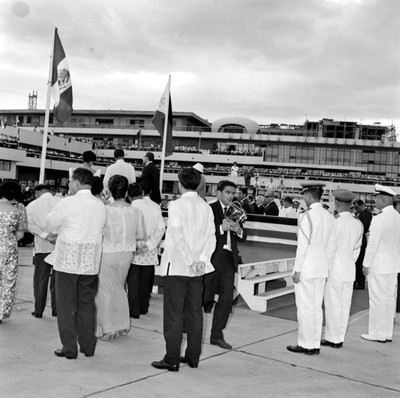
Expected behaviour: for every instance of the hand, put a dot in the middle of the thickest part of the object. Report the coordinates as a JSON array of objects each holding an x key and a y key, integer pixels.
[
  {"x": 141, "y": 248},
  {"x": 199, "y": 267},
  {"x": 296, "y": 277},
  {"x": 226, "y": 224},
  {"x": 51, "y": 238},
  {"x": 235, "y": 226},
  {"x": 365, "y": 271}
]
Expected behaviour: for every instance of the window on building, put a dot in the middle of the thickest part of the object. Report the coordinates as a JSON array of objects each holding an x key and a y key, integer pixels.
[
  {"x": 29, "y": 119},
  {"x": 5, "y": 165},
  {"x": 104, "y": 121}
]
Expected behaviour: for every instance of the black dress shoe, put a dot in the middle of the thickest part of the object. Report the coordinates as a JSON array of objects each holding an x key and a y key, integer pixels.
[
  {"x": 86, "y": 355},
  {"x": 328, "y": 343},
  {"x": 387, "y": 340},
  {"x": 53, "y": 313},
  {"x": 59, "y": 353},
  {"x": 301, "y": 350},
  {"x": 191, "y": 364},
  {"x": 220, "y": 343},
  {"x": 36, "y": 314},
  {"x": 164, "y": 365}
]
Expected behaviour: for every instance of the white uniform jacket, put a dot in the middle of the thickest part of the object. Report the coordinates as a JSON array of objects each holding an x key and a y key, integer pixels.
[
  {"x": 382, "y": 255},
  {"x": 349, "y": 232},
  {"x": 316, "y": 243}
]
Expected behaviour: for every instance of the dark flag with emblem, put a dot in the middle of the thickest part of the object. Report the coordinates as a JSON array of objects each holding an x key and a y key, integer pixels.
[{"x": 61, "y": 86}]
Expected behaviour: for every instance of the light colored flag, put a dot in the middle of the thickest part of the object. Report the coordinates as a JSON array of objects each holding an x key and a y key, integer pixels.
[
  {"x": 61, "y": 86},
  {"x": 164, "y": 112}
]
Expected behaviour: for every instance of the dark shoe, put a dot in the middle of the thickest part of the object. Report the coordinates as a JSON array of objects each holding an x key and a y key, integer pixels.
[
  {"x": 164, "y": 365},
  {"x": 328, "y": 343},
  {"x": 86, "y": 355},
  {"x": 59, "y": 353},
  {"x": 193, "y": 365},
  {"x": 36, "y": 314},
  {"x": 135, "y": 316},
  {"x": 301, "y": 350},
  {"x": 387, "y": 340},
  {"x": 220, "y": 343},
  {"x": 368, "y": 337},
  {"x": 53, "y": 313}
]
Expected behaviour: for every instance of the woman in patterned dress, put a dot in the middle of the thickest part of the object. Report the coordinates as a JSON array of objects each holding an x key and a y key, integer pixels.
[
  {"x": 13, "y": 224},
  {"x": 124, "y": 227}
]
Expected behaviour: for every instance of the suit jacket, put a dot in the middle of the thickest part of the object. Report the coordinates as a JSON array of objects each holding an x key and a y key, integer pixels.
[
  {"x": 271, "y": 209},
  {"x": 222, "y": 237},
  {"x": 151, "y": 174},
  {"x": 246, "y": 206}
]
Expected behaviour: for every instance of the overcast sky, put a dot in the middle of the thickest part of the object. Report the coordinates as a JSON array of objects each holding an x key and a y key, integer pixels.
[{"x": 270, "y": 60}]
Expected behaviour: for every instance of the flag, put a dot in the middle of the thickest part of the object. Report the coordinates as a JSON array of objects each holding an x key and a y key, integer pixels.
[
  {"x": 159, "y": 120},
  {"x": 61, "y": 86}
]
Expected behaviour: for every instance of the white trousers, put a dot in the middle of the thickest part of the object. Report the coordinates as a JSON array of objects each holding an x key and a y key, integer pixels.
[
  {"x": 309, "y": 294},
  {"x": 382, "y": 289},
  {"x": 337, "y": 299}
]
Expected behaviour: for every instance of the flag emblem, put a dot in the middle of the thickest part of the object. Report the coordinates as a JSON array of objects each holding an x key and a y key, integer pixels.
[{"x": 61, "y": 85}]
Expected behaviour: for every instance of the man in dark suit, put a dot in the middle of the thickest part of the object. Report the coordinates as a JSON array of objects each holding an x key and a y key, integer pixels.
[
  {"x": 151, "y": 175},
  {"x": 242, "y": 198},
  {"x": 270, "y": 207},
  {"x": 259, "y": 205},
  {"x": 225, "y": 260}
]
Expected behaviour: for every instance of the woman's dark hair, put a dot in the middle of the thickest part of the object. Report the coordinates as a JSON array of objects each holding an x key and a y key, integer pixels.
[
  {"x": 189, "y": 178},
  {"x": 10, "y": 190},
  {"x": 118, "y": 185},
  {"x": 89, "y": 156},
  {"x": 135, "y": 190},
  {"x": 97, "y": 186}
]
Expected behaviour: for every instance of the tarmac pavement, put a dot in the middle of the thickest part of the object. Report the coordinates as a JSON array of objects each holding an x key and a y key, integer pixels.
[{"x": 258, "y": 366}]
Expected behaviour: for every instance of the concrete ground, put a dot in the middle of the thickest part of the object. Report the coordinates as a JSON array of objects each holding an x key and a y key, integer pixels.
[{"x": 258, "y": 366}]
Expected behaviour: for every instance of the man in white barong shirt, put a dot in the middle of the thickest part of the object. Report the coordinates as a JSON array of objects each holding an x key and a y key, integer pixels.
[
  {"x": 37, "y": 211},
  {"x": 315, "y": 252},
  {"x": 120, "y": 167},
  {"x": 381, "y": 265},
  {"x": 189, "y": 244},
  {"x": 78, "y": 220},
  {"x": 141, "y": 273},
  {"x": 339, "y": 285}
]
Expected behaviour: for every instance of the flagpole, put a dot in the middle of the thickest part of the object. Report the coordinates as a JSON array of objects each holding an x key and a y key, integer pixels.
[
  {"x": 46, "y": 118},
  {"x": 165, "y": 134}
]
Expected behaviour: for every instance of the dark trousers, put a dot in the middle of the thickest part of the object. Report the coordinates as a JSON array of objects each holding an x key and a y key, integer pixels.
[
  {"x": 360, "y": 277},
  {"x": 140, "y": 283},
  {"x": 182, "y": 300},
  {"x": 220, "y": 282},
  {"x": 398, "y": 294},
  {"x": 76, "y": 312},
  {"x": 41, "y": 276}
]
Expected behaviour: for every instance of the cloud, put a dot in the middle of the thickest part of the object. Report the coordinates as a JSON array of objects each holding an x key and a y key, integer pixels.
[{"x": 271, "y": 60}]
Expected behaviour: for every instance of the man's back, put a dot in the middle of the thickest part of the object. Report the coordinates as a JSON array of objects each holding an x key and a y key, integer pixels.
[
  {"x": 120, "y": 167},
  {"x": 190, "y": 235},
  {"x": 79, "y": 221},
  {"x": 349, "y": 232},
  {"x": 383, "y": 250},
  {"x": 316, "y": 242}
]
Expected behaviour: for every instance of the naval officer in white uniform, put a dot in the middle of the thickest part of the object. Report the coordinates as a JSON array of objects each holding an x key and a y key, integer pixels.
[
  {"x": 339, "y": 285},
  {"x": 315, "y": 252},
  {"x": 381, "y": 265}
]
